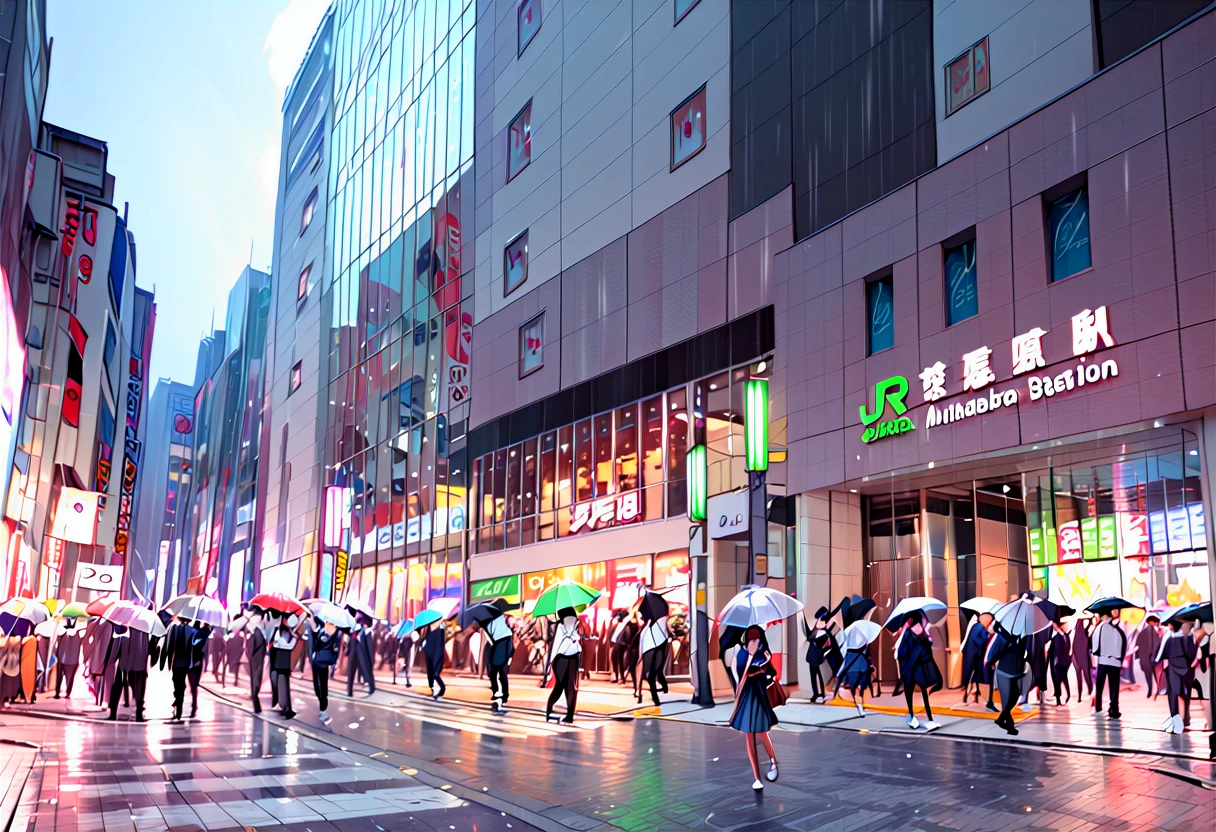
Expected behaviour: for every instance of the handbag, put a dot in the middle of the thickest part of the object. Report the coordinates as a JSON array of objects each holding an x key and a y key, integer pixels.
[{"x": 777, "y": 694}]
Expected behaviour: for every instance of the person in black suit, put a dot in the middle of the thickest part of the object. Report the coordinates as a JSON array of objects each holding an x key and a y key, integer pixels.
[
  {"x": 323, "y": 643},
  {"x": 974, "y": 644},
  {"x": 185, "y": 652},
  {"x": 360, "y": 650},
  {"x": 433, "y": 653},
  {"x": 500, "y": 647},
  {"x": 819, "y": 643},
  {"x": 67, "y": 654},
  {"x": 1007, "y": 657},
  {"x": 1179, "y": 653},
  {"x": 255, "y": 652},
  {"x": 131, "y": 671}
]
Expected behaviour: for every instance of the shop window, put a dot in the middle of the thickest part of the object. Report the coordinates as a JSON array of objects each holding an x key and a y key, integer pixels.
[
  {"x": 302, "y": 285},
  {"x": 880, "y": 315},
  {"x": 626, "y": 448},
  {"x": 583, "y": 487},
  {"x": 532, "y": 346},
  {"x": 651, "y": 461},
  {"x": 528, "y": 486},
  {"x": 310, "y": 210},
  {"x": 962, "y": 300},
  {"x": 565, "y": 466},
  {"x": 682, "y": 8},
  {"x": 515, "y": 264},
  {"x": 677, "y": 448},
  {"x": 528, "y": 20},
  {"x": 500, "y": 491},
  {"x": 519, "y": 142},
  {"x": 603, "y": 455},
  {"x": 967, "y": 77},
  {"x": 548, "y": 485},
  {"x": 296, "y": 377},
  {"x": 688, "y": 128},
  {"x": 1068, "y": 223}
]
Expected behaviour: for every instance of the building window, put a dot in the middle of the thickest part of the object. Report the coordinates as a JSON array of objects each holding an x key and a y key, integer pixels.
[
  {"x": 967, "y": 76},
  {"x": 688, "y": 128},
  {"x": 296, "y": 375},
  {"x": 962, "y": 302},
  {"x": 515, "y": 264},
  {"x": 519, "y": 142},
  {"x": 1068, "y": 221},
  {"x": 880, "y": 315},
  {"x": 683, "y": 7},
  {"x": 302, "y": 288},
  {"x": 532, "y": 346},
  {"x": 528, "y": 18},
  {"x": 310, "y": 210}
]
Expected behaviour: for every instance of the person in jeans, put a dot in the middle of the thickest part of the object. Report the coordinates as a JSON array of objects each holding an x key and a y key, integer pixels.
[
  {"x": 322, "y": 654},
  {"x": 1109, "y": 647}
]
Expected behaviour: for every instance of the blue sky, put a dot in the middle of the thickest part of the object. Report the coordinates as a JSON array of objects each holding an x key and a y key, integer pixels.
[{"x": 188, "y": 96}]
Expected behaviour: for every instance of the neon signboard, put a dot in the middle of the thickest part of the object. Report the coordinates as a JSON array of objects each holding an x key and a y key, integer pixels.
[{"x": 892, "y": 393}]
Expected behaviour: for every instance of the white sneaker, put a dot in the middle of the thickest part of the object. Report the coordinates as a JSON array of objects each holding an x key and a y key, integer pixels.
[
  {"x": 932, "y": 725},
  {"x": 758, "y": 786},
  {"x": 772, "y": 773},
  {"x": 913, "y": 723},
  {"x": 324, "y": 717},
  {"x": 861, "y": 709},
  {"x": 1168, "y": 725},
  {"x": 1179, "y": 728}
]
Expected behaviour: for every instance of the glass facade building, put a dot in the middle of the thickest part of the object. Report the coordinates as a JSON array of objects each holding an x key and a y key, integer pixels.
[{"x": 396, "y": 303}]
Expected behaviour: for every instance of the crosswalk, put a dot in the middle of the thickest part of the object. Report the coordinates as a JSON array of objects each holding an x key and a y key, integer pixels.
[{"x": 461, "y": 716}]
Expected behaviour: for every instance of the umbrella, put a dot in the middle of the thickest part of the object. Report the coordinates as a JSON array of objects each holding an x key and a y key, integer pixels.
[
  {"x": 277, "y": 602},
  {"x": 198, "y": 608},
  {"x": 758, "y": 605},
  {"x": 73, "y": 610},
  {"x": 357, "y": 607},
  {"x": 446, "y": 607},
  {"x": 931, "y": 608},
  {"x": 980, "y": 605},
  {"x": 1021, "y": 617},
  {"x": 653, "y": 606},
  {"x": 854, "y": 609},
  {"x": 405, "y": 628},
  {"x": 17, "y": 610},
  {"x": 858, "y": 634},
  {"x": 100, "y": 606},
  {"x": 1052, "y": 610},
  {"x": 137, "y": 618},
  {"x": 1108, "y": 604},
  {"x": 1193, "y": 612},
  {"x": 426, "y": 618},
  {"x": 48, "y": 628},
  {"x": 328, "y": 613},
  {"x": 728, "y": 637},
  {"x": 479, "y": 614},
  {"x": 564, "y": 594}
]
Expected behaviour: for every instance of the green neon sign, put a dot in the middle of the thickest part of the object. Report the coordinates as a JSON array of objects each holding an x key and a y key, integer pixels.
[
  {"x": 755, "y": 423},
  {"x": 892, "y": 394},
  {"x": 698, "y": 483}
]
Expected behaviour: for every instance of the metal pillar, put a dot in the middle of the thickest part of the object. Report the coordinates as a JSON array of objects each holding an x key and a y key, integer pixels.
[
  {"x": 698, "y": 560},
  {"x": 757, "y": 525}
]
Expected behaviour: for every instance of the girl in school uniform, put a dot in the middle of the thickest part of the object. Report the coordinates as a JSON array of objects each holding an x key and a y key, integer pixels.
[{"x": 753, "y": 716}]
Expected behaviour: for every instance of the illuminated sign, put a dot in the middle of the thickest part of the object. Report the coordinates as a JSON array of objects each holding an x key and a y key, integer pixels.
[
  {"x": 340, "y": 569},
  {"x": 506, "y": 587},
  {"x": 76, "y": 516},
  {"x": 891, "y": 392},
  {"x": 337, "y": 514},
  {"x": 605, "y": 512}
]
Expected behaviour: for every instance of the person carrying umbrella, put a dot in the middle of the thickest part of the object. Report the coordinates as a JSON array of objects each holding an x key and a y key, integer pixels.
[
  {"x": 67, "y": 656},
  {"x": 1179, "y": 653},
  {"x": 819, "y": 645},
  {"x": 564, "y": 660},
  {"x": 1109, "y": 647},
  {"x": 359, "y": 646},
  {"x": 1082, "y": 660},
  {"x": 185, "y": 651},
  {"x": 1148, "y": 644},
  {"x": 1059, "y": 656},
  {"x": 653, "y": 611},
  {"x": 234, "y": 648},
  {"x": 917, "y": 667},
  {"x": 500, "y": 648},
  {"x": 974, "y": 644},
  {"x": 753, "y": 715},
  {"x": 322, "y": 655},
  {"x": 1007, "y": 657},
  {"x": 256, "y": 645},
  {"x": 131, "y": 670},
  {"x": 434, "y": 653},
  {"x": 622, "y": 632},
  {"x": 281, "y": 646}
]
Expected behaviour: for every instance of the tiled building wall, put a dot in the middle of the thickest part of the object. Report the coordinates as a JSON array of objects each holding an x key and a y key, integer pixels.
[{"x": 1143, "y": 134}]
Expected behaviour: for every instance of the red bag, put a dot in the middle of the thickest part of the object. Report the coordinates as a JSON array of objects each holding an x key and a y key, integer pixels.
[{"x": 777, "y": 694}]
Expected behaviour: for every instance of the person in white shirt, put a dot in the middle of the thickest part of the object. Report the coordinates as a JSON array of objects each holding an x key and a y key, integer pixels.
[
  {"x": 283, "y": 643},
  {"x": 1109, "y": 646},
  {"x": 654, "y": 657},
  {"x": 564, "y": 659},
  {"x": 499, "y": 650}
]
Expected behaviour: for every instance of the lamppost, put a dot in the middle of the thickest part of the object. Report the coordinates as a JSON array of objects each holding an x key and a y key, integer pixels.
[
  {"x": 697, "y": 470},
  {"x": 755, "y": 440}
]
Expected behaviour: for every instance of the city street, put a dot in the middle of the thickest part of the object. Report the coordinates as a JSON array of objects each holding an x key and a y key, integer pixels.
[{"x": 416, "y": 764}]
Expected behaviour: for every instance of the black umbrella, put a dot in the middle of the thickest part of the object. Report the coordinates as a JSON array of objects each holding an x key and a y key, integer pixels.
[
  {"x": 855, "y": 608},
  {"x": 480, "y": 614},
  {"x": 1108, "y": 604},
  {"x": 653, "y": 606},
  {"x": 728, "y": 637},
  {"x": 1193, "y": 612},
  {"x": 1053, "y": 610}
]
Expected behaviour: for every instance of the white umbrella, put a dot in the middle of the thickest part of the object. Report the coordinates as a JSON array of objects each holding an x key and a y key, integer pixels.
[
  {"x": 328, "y": 613},
  {"x": 1021, "y": 617},
  {"x": 356, "y": 606},
  {"x": 980, "y": 605},
  {"x": 758, "y": 606},
  {"x": 137, "y": 618},
  {"x": 51, "y": 627},
  {"x": 932, "y": 609},
  {"x": 198, "y": 608},
  {"x": 444, "y": 606},
  {"x": 858, "y": 634}
]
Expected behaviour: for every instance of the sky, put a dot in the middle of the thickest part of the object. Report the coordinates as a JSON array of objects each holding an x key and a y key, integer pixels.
[{"x": 188, "y": 96}]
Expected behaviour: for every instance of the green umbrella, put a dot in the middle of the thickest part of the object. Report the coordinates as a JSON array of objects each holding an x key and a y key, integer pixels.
[
  {"x": 564, "y": 594},
  {"x": 72, "y": 610}
]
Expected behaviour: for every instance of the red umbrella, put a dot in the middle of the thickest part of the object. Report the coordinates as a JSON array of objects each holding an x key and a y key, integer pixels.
[
  {"x": 277, "y": 602},
  {"x": 101, "y": 606}
]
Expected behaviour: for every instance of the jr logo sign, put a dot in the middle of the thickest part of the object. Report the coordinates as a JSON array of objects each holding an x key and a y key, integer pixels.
[{"x": 890, "y": 394}]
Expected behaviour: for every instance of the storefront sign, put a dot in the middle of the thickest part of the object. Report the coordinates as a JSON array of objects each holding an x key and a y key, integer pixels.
[
  {"x": 506, "y": 588},
  {"x": 892, "y": 393},
  {"x": 99, "y": 577},
  {"x": 605, "y": 512},
  {"x": 340, "y": 567},
  {"x": 729, "y": 515}
]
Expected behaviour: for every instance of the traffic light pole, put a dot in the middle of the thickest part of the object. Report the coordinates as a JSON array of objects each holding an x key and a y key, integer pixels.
[{"x": 698, "y": 561}]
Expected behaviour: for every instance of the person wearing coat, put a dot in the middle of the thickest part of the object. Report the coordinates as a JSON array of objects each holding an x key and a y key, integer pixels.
[
  {"x": 217, "y": 654},
  {"x": 1109, "y": 647},
  {"x": 256, "y": 645},
  {"x": 753, "y": 715},
  {"x": 819, "y": 643},
  {"x": 434, "y": 654},
  {"x": 131, "y": 671},
  {"x": 624, "y": 638},
  {"x": 359, "y": 648},
  {"x": 654, "y": 657},
  {"x": 974, "y": 644},
  {"x": 500, "y": 647},
  {"x": 1148, "y": 645},
  {"x": 185, "y": 653},
  {"x": 282, "y": 645},
  {"x": 1179, "y": 652},
  {"x": 407, "y": 650},
  {"x": 67, "y": 657},
  {"x": 1007, "y": 657},
  {"x": 917, "y": 667},
  {"x": 1059, "y": 659},
  {"x": 322, "y": 655},
  {"x": 1081, "y": 662},
  {"x": 234, "y": 649},
  {"x": 97, "y": 635},
  {"x": 1036, "y": 658}
]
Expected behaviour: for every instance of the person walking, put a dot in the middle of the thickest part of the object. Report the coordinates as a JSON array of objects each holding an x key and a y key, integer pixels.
[
  {"x": 322, "y": 655},
  {"x": 1148, "y": 645},
  {"x": 1007, "y": 657},
  {"x": 564, "y": 660},
  {"x": 655, "y": 639},
  {"x": 131, "y": 671},
  {"x": 217, "y": 654},
  {"x": 1178, "y": 651},
  {"x": 974, "y": 644},
  {"x": 917, "y": 667},
  {"x": 434, "y": 653},
  {"x": 1081, "y": 659},
  {"x": 500, "y": 647},
  {"x": 1059, "y": 659},
  {"x": 185, "y": 651},
  {"x": 359, "y": 648},
  {"x": 234, "y": 649},
  {"x": 819, "y": 643},
  {"x": 616, "y": 638},
  {"x": 256, "y": 645},
  {"x": 97, "y": 635},
  {"x": 281, "y": 647},
  {"x": 67, "y": 657},
  {"x": 753, "y": 716},
  {"x": 1109, "y": 647},
  {"x": 407, "y": 649}
]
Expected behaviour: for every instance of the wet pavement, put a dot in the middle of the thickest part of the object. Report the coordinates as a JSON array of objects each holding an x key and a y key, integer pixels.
[{"x": 599, "y": 773}]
